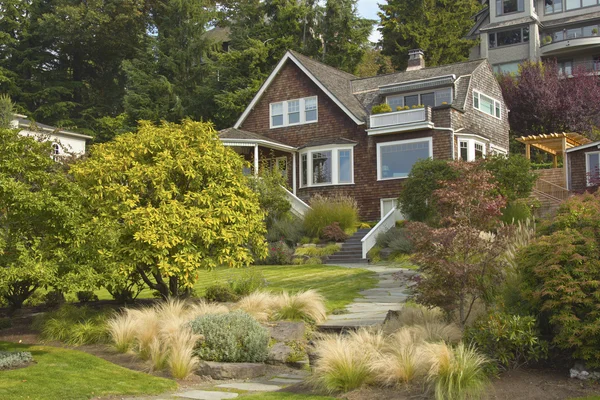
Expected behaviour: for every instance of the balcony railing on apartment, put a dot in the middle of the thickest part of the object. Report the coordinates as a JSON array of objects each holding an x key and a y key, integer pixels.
[
  {"x": 547, "y": 38},
  {"x": 403, "y": 117},
  {"x": 589, "y": 66}
]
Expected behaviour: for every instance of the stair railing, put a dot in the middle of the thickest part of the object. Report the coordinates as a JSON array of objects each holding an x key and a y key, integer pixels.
[
  {"x": 386, "y": 223},
  {"x": 299, "y": 208},
  {"x": 552, "y": 189}
]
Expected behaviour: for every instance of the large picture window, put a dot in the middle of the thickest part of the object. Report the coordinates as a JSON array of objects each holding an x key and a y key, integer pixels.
[
  {"x": 327, "y": 166},
  {"x": 294, "y": 112},
  {"x": 506, "y": 38},
  {"x": 396, "y": 159},
  {"x": 486, "y": 104},
  {"x": 509, "y": 6}
]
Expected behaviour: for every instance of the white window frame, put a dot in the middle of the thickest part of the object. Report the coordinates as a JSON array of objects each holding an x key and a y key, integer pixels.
[
  {"x": 434, "y": 91},
  {"x": 471, "y": 147},
  {"x": 497, "y": 104},
  {"x": 587, "y": 166},
  {"x": 384, "y": 144},
  {"x": 381, "y": 201},
  {"x": 335, "y": 165},
  {"x": 301, "y": 110}
]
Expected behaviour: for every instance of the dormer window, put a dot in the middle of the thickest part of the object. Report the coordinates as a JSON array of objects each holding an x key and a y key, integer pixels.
[
  {"x": 509, "y": 6},
  {"x": 294, "y": 112},
  {"x": 486, "y": 104}
]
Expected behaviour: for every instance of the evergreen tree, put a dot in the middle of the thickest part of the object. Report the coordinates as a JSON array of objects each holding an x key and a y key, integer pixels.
[{"x": 438, "y": 27}]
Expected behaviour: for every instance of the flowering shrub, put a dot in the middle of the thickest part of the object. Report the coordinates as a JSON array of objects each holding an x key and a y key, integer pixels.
[
  {"x": 279, "y": 254},
  {"x": 334, "y": 233}
]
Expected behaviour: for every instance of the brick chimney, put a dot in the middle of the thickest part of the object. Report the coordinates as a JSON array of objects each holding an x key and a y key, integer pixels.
[{"x": 416, "y": 60}]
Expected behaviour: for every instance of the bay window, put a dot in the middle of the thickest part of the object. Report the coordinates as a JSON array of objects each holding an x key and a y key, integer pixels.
[
  {"x": 471, "y": 149},
  {"x": 294, "y": 112},
  {"x": 396, "y": 159},
  {"x": 328, "y": 165}
]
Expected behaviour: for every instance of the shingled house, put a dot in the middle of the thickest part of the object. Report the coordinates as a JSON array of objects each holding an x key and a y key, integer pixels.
[{"x": 314, "y": 123}]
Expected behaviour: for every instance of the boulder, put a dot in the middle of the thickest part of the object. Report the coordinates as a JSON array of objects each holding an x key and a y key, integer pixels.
[
  {"x": 286, "y": 331},
  {"x": 580, "y": 371},
  {"x": 279, "y": 353},
  {"x": 221, "y": 370}
]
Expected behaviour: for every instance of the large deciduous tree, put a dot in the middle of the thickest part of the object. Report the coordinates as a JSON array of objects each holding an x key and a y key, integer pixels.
[
  {"x": 544, "y": 100},
  {"x": 438, "y": 27},
  {"x": 177, "y": 202},
  {"x": 39, "y": 215}
]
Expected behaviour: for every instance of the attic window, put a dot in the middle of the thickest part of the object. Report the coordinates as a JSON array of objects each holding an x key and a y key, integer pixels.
[
  {"x": 486, "y": 104},
  {"x": 294, "y": 112}
]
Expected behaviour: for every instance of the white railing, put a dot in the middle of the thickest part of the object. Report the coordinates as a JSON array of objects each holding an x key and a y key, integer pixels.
[
  {"x": 398, "y": 118},
  {"x": 386, "y": 223},
  {"x": 299, "y": 208}
]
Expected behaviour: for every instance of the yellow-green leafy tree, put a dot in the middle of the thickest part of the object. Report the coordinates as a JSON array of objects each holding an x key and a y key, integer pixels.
[{"x": 177, "y": 201}]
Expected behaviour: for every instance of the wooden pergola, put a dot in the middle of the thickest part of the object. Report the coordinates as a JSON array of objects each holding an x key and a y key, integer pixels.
[{"x": 553, "y": 143}]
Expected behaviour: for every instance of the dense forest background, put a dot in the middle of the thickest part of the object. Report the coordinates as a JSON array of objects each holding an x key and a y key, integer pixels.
[{"x": 99, "y": 66}]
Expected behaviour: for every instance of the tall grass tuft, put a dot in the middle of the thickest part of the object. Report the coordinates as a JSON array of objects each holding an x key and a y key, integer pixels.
[
  {"x": 402, "y": 361},
  {"x": 456, "y": 373},
  {"x": 306, "y": 306},
  {"x": 259, "y": 304},
  {"x": 74, "y": 325},
  {"x": 203, "y": 307},
  {"x": 372, "y": 341},
  {"x": 182, "y": 361},
  {"x": 327, "y": 210},
  {"x": 341, "y": 365},
  {"x": 437, "y": 332},
  {"x": 121, "y": 329},
  {"x": 147, "y": 328},
  {"x": 158, "y": 354}
]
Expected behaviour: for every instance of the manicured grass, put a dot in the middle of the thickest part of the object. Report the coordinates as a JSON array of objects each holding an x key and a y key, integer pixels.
[
  {"x": 284, "y": 396},
  {"x": 63, "y": 374},
  {"x": 339, "y": 285}
]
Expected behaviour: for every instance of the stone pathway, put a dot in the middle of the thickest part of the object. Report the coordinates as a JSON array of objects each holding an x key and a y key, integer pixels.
[{"x": 371, "y": 309}]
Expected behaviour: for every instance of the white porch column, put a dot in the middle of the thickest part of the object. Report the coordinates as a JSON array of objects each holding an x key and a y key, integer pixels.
[
  {"x": 256, "y": 160},
  {"x": 294, "y": 173}
]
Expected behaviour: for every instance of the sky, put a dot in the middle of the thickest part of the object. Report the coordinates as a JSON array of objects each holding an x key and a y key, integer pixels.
[{"x": 369, "y": 9}]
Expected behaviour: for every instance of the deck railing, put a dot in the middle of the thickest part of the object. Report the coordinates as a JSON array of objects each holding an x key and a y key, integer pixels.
[
  {"x": 299, "y": 208},
  {"x": 398, "y": 118},
  {"x": 386, "y": 223}
]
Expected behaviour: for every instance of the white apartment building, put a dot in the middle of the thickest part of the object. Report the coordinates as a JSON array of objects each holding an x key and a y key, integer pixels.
[{"x": 512, "y": 31}]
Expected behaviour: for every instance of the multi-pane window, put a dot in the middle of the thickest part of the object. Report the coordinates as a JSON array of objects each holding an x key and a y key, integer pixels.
[
  {"x": 507, "y": 68},
  {"x": 553, "y": 6},
  {"x": 329, "y": 166},
  {"x": 486, "y": 104},
  {"x": 396, "y": 159},
  {"x": 592, "y": 168},
  {"x": 464, "y": 150},
  {"x": 387, "y": 205},
  {"x": 574, "y": 4},
  {"x": 430, "y": 99},
  {"x": 479, "y": 150},
  {"x": 509, "y": 6},
  {"x": 471, "y": 149},
  {"x": 506, "y": 38},
  {"x": 294, "y": 112},
  {"x": 293, "y": 109}
]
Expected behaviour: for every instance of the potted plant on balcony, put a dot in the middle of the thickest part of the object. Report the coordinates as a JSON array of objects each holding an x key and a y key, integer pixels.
[
  {"x": 547, "y": 40},
  {"x": 381, "y": 108},
  {"x": 595, "y": 32}
]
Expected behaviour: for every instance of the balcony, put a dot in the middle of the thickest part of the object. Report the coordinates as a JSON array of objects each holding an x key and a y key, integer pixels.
[
  {"x": 588, "y": 66},
  {"x": 400, "y": 121},
  {"x": 568, "y": 40}
]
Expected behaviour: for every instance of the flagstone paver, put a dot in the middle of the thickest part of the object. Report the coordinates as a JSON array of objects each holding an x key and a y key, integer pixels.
[
  {"x": 206, "y": 395},
  {"x": 372, "y": 308},
  {"x": 251, "y": 386}
]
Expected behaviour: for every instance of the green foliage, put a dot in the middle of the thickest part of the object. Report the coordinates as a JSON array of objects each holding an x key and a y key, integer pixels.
[
  {"x": 327, "y": 210},
  {"x": 13, "y": 359},
  {"x": 232, "y": 337},
  {"x": 314, "y": 261},
  {"x": 86, "y": 296},
  {"x": 437, "y": 27},
  {"x": 221, "y": 293},
  {"x": 513, "y": 175},
  {"x": 272, "y": 196},
  {"x": 5, "y": 323},
  {"x": 396, "y": 239},
  {"x": 279, "y": 254},
  {"x": 154, "y": 195},
  {"x": 518, "y": 210},
  {"x": 561, "y": 274},
  {"x": 6, "y": 111},
  {"x": 54, "y": 298},
  {"x": 249, "y": 281},
  {"x": 74, "y": 325},
  {"x": 510, "y": 340},
  {"x": 381, "y": 108},
  {"x": 315, "y": 251},
  {"x": 40, "y": 210},
  {"x": 288, "y": 229},
  {"x": 334, "y": 233},
  {"x": 416, "y": 200}
]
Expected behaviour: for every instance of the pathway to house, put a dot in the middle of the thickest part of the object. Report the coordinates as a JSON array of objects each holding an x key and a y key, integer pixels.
[{"x": 391, "y": 292}]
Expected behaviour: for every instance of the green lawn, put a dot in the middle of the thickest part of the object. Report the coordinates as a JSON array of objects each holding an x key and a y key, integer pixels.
[
  {"x": 63, "y": 374},
  {"x": 339, "y": 285}
]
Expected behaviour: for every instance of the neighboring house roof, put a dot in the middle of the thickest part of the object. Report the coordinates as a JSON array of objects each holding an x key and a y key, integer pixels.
[
  {"x": 585, "y": 146},
  {"x": 571, "y": 20},
  {"x": 24, "y": 123},
  {"x": 509, "y": 23},
  {"x": 242, "y": 136},
  {"x": 325, "y": 142},
  {"x": 355, "y": 95}
]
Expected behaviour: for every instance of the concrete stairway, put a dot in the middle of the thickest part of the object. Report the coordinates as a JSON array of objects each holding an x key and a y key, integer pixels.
[{"x": 351, "y": 252}]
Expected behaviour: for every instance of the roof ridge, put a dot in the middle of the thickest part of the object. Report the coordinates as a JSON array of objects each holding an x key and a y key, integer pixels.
[
  {"x": 422, "y": 69},
  {"x": 337, "y": 70}
]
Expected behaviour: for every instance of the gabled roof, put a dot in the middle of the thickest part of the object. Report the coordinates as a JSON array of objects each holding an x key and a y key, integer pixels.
[
  {"x": 24, "y": 123},
  {"x": 354, "y": 95}
]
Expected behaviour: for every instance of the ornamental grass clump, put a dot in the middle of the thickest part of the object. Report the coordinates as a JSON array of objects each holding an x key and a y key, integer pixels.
[
  {"x": 306, "y": 306},
  {"x": 456, "y": 373},
  {"x": 259, "y": 304},
  {"x": 74, "y": 326},
  {"x": 327, "y": 210}
]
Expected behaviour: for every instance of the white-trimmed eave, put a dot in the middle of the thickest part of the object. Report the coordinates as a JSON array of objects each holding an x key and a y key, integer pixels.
[
  {"x": 583, "y": 147},
  {"x": 265, "y": 86},
  {"x": 400, "y": 128},
  {"x": 254, "y": 142},
  {"x": 55, "y": 131},
  {"x": 472, "y": 135}
]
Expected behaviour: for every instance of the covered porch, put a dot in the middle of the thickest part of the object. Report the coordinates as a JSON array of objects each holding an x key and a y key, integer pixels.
[{"x": 259, "y": 150}]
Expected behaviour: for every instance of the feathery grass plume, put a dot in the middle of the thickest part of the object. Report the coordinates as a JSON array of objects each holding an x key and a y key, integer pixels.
[
  {"x": 171, "y": 308},
  {"x": 121, "y": 329},
  {"x": 88, "y": 331},
  {"x": 258, "y": 304},
  {"x": 308, "y": 306},
  {"x": 413, "y": 314},
  {"x": 203, "y": 307},
  {"x": 182, "y": 361},
  {"x": 456, "y": 373},
  {"x": 341, "y": 365},
  {"x": 402, "y": 360},
  {"x": 146, "y": 330},
  {"x": 437, "y": 332},
  {"x": 158, "y": 354},
  {"x": 370, "y": 340}
]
